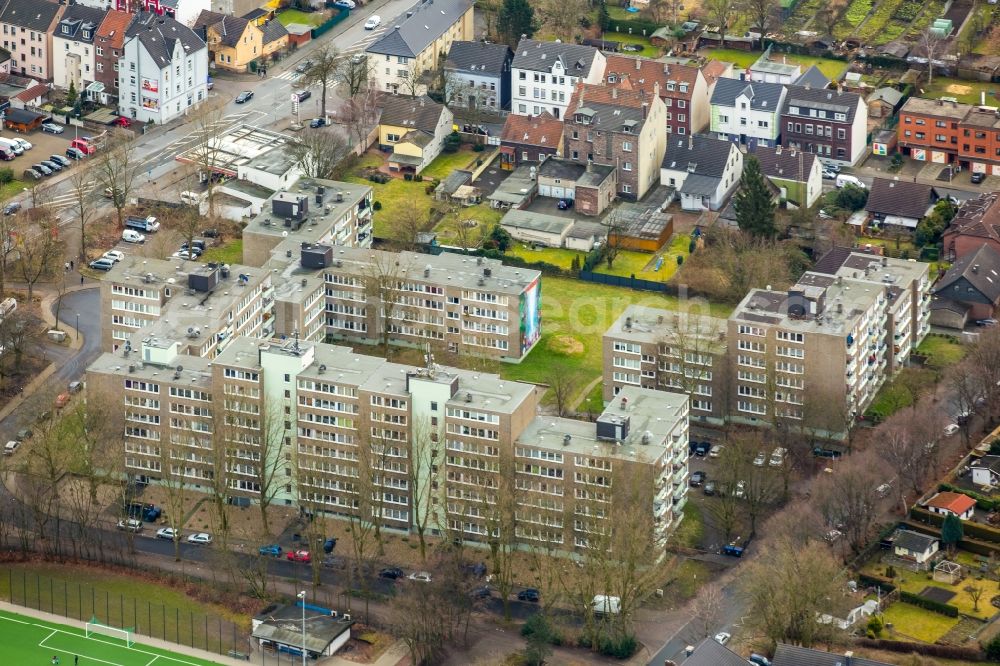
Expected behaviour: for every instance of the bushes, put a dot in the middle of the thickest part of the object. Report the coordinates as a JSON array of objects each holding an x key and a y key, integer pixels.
[
  {"x": 970, "y": 529},
  {"x": 993, "y": 649},
  {"x": 620, "y": 648},
  {"x": 874, "y": 581},
  {"x": 928, "y": 604},
  {"x": 639, "y": 26},
  {"x": 939, "y": 651},
  {"x": 6, "y": 175},
  {"x": 377, "y": 205}
]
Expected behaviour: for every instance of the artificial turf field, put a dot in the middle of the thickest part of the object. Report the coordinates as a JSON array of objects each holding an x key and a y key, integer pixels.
[{"x": 25, "y": 641}]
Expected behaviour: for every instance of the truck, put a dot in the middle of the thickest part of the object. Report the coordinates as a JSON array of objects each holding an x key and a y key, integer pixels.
[
  {"x": 84, "y": 145},
  {"x": 146, "y": 224}
]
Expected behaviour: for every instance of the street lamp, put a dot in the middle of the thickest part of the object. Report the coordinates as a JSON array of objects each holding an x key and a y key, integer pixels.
[
  {"x": 302, "y": 597},
  {"x": 77, "y": 325}
]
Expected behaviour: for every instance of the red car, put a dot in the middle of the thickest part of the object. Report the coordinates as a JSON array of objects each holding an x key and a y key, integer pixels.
[
  {"x": 122, "y": 121},
  {"x": 299, "y": 556}
]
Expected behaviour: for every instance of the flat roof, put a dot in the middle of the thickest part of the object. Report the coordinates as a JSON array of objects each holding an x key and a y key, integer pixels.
[
  {"x": 197, "y": 371},
  {"x": 540, "y": 222},
  {"x": 320, "y": 219},
  {"x": 936, "y": 107},
  {"x": 242, "y": 146},
  {"x": 639, "y": 323},
  {"x": 771, "y": 307}
]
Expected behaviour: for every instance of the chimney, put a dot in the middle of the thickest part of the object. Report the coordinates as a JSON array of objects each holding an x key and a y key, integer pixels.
[
  {"x": 975, "y": 268},
  {"x": 638, "y": 66},
  {"x": 982, "y": 98},
  {"x": 656, "y": 88},
  {"x": 666, "y": 68},
  {"x": 645, "y": 109},
  {"x": 690, "y": 142},
  {"x": 614, "y": 93}
]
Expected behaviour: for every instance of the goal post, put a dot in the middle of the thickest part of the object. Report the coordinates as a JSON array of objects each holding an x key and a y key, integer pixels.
[{"x": 97, "y": 628}]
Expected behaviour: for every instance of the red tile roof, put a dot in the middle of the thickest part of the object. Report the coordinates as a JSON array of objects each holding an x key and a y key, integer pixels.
[
  {"x": 979, "y": 216},
  {"x": 28, "y": 94},
  {"x": 542, "y": 130},
  {"x": 957, "y": 503},
  {"x": 588, "y": 93},
  {"x": 642, "y": 74},
  {"x": 113, "y": 26},
  {"x": 714, "y": 70}
]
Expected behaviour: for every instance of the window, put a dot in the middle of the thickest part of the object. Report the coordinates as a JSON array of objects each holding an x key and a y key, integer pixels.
[
  {"x": 626, "y": 146},
  {"x": 841, "y": 133},
  {"x": 627, "y": 189},
  {"x": 521, "y": 76},
  {"x": 725, "y": 119},
  {"x": 626, "y": 166},
  {"x": 681, "y": 104}
]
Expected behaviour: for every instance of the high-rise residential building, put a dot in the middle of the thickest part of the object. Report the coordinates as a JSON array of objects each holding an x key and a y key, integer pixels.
[{"x": 321, "y": 427}]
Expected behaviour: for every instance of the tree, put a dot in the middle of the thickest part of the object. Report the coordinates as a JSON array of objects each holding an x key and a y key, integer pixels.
[
  {"x": 930, "y": 42},
  {"x": 909, "y": 444},
  {"x": 516, "y": 19},
  {"x": 753, "y": 202},
  {"x": 115, "y": 170},
  {"x": 500, "y": 239},
  {"x": 40, "y": 250},
  {"x": 951, "y": 531},
  {"x": 317, "y": 154},
  {"x": 563, "y": 383},
  {"x": 720, "y": 12},
  {"x": 966, "y": 394},
  {"x": 353, "y": 74},
  {"x": 761, "y": 12},
  {"x": 538, "y": 639},
  {"x": 324, "y": 71},
  {"x": 81, "y": 182},
  {"x": 359, "y": 114},
  {"x": 383, "y": 295},
  {"x": 706, "y": 613},
  {"x": 71, "y": 94},
  {"x": 975, "y": 593},
  {"x": 851, "y": 197},
  {"x": 562, "y": 17},
  {"x": 983, "y": 360},
  {"x": 930, "y": 228},
  {"x": 849, "y": 498},
  {"x": 210, "y": 153},
  {"x": 614, "y": 239},
  {"x": 424, "y": 476}
]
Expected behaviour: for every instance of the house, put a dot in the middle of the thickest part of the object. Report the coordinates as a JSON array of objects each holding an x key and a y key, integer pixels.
[
  {"x": 477, "y": 75},
  {"x": 703, "y": 171},
  {"x": 977, "y": 223},
  {"x": 414, "y": 129},
  {"x": 184, "y": 12},
  {"x": 986, "y": 471},
  {"x": 812, "y": 78},
  {"x": 584, "y": 235},
  {"x": 711, "y": 653},
  {"x": 767, "y": 71},
  {"x": 831, "y": 123},
  {"x": 884, "y": 102},
  {"x": 74, "y": 59},
  {"x": 592, "y": 186},
  {"x": 915, "y": 547},
  {"x": 974, "y": 282},
  {"x": 108, "y": 49},
  {"x": 416, "y": 42},
  {"x": 22, "y": 120},
  {"x": 855, "y": 615},
  {"x": 545, "y": 74},
  {"x": 928, "y": 129},
  {"x": 274, "y": 38},
  {"x": 233, "y": 42},
  {"x": 30, "y": 25},
  {"x": 163, "y": 70},
  {"x": 537, "y": 228},
  {"x": 624, "y": 129},
  {"x": 747, "y": 112},
  {"x": 324, "y": 633},
  {"x": 899, "y": 203},
  {"x": 529, "y": 139},
  {"x": 684, "y": 89},
  {"x": 33, "y": 96},
  {"x": 796, "y": 655},
  {"x": 798, "y": 175},
  {"x": 955, "y": 504}
]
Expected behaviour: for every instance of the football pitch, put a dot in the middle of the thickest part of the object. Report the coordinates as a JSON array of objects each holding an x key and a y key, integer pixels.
[{"x": 26, "y": 641}]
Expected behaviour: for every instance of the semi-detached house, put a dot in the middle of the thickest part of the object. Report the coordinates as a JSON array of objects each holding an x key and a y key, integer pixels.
[
  {"x": 74, "y": 59},
  {"x": 685, "y": 90},
  {"x": 108, "y": 48},
  {"x": 830, "y": 123},
  {"x": 747, "y": 112},
  {"x": 27, "y": 27},
  {"x": 544, "y": 75}
]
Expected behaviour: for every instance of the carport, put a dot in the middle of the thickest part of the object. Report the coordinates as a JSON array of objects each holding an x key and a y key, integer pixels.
[{"x": 24, "y": 121}]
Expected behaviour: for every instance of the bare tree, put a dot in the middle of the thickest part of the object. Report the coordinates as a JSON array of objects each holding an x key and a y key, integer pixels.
[
  {"x": 563, "y": 384},
  {"x": 384, "y": 296},
  {"x": 983, "y": 360},
  {"x": 209, "y": 154},
  {"x": 326, "y": 63},
  {"x": 175, "y": 487},
  {"x": 359, "y": 114},
  {"x": 759, "y": 483},
  {"x": 931, "y": 42},
  {"x": 562, "y": 17},
  {"x": 39, "y": 247},
  {"x": 849, "y": 499},
  {"x": 317, "y": 154},
  {"x": 761, "y": 12},
  {"x": 424, "y": 476},
  {"x": 707, "y": 612},
  {"x": 353, "y": 74},
  {"x": 45, "y": 466},
  {"x": 82, "y": 185},
  {"x": 909, "y": 446},
  {"x": 966, "y": 391},
  {"x": 8, "y": 248},
  {"x": 721, "y": 11},
  {"x": 614, "y": 228},
  {"x": 975, "y": 593},
  {"x": 115, "y": 169}
]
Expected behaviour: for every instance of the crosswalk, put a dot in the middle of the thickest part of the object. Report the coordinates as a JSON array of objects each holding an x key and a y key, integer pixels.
[
  {"x": 357, "y": 47},
  {"x": 61, "y": 201}
]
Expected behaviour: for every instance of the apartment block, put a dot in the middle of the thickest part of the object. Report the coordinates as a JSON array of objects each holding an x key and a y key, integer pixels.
[
  {"x": 452, "y": 302},
  {"x": 928, "y": 129},
  {"x": 669, "y": 351},
  {"x": 545, "y": 74},
  {"x": 444, "y": 441}
]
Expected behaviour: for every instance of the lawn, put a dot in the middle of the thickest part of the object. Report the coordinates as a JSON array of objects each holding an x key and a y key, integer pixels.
[
  {"x": 27, "y": 641},
  {"x": 962, "y": 90},
  {"x": 648, "y": 50},
  {"x": 893, "y": 246},
  {"x": 743, "y": 59},
  {"x": 915, "y": 622},
  {"x": 486, "y": 217},
  {"x": 628, "y": 263},
  {"x": 290, "y": 16},
  {"x": 8, "y": 190},
  {"x": 551, "y": 255},
  {"x": 445, "y": 163},
  {"x": 227, "y": 253},
  {"x": 899, "y": 393},
  {"x": 941, "y": 351}
]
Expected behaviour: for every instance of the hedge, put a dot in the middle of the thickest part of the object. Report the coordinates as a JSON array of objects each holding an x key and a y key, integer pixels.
[
  {"x": 971, "y": 545},
  {"x": 876, "y": 581},
  {"x": 969, "y": 528},
  {"x": 638, "y": 25},
  {"x": 928, "y": 604},
  {"x": 928, "y": 649}
]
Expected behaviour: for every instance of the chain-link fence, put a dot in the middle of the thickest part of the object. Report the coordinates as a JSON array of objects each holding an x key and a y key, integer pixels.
[{"x": 80, "y": 601}]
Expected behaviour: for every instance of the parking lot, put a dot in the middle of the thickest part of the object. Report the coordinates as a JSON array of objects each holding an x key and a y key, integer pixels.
[{"x": 43, "y": 146}]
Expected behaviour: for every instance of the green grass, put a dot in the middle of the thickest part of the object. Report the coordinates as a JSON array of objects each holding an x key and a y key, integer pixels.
[
  {"x": 692, "y": 528},
  {"x": 29, "y": 641},
  {"x": 11, "y": 189},
  {"x": 486, "y": 217},
  {"x": 962, "y": 90},
  {"x": 918, "y": 623},
  {"x": 290, "y": 16},
  {"x": 620, "y": 13},
  {"x": 594, "y": 402},
  {"x": 227, "y": 253},
  {"x": 648, "y": 50},
  {"x": 445, "y": 163},
  {"x": 551, "y": 255},
  {"x": 899, "y": 393},
  {"x": 941, "y": 351},
  {"x": 743, "y": 59},
  {"x": 629, "y": 263}
]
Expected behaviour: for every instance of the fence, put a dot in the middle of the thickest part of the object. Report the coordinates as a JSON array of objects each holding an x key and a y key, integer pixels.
[
  {"x": 630, "y": 282},
  {"x": 327, "y": 25},
  {"x": 80, "y": 601}
]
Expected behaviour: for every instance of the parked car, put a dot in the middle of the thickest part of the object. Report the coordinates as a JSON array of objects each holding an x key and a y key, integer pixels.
[
  {"x": 210, "y": 233},
  {"x": 777, "y": 457},
  {"x": 74, "y": 387},
  {"x": 102, "y": 264},
  {"x": 847, "y": 179},
  {"x": 200, "y": 538},
  {"x": 12, "y": 208},
  {"x": 113, "y": 255},
  {"x": 32, "y": 174},
  {"x": 273, "y": 550},
  {"x": 303, "y": 66},
  {"x": 716, "y": 451},
  {"x": 759, "y": 660},
  {"x": 59, "y": 159},
  {"x": 53, "y": 128},
  {"x": 760, "y": 459},
  {"x": 709, "y": 488},
  {"x": 45, "y": 171},
  {"x": 829, "y": 174},
  {"x": 697, "y": 478},
  {"x": 373, "y": 22},
  {"x": 530, "y": 594},
  {"x": 420, "y": 576},
  {"x": 702, "y": 449},
  {"x": 196, "y": 243},
  {"x": 168, "y": 533},
  {"x": 565, "y": 204},
  {"x": 329, "y": 544},
  {"x": 722, "y": 637},
  {"x": 986, "y": 323},
  {"x": 832, "y": 535},
  {"x": 299, "y": 556},
  {"x": 317, "y": 122},
  {"x": 950, "y": 429},
  {"x": 391, "y": 573},
  {"x": 10, "y": 447},
  {"x": 131, "y": 525},
  {"x": 184, "y": 254},
  {"x": 133, "y": 236},
  {"x": 24, "y": 434},
  {"x": 75, "y": 153},
  {"x": 740, "y": 490},
  {"x": 481, "y": 592},
  {"x": 24, "y": 143},
  {"x": 52, "y": 166},
  {"x": 883, "y": 490},
  {"x": 244, "y": 97},
  {"x": 334, "y": 562},
  {"x": 346, "y": 4},
  {"x": 301, "y": 95},
  {"x": 977, "y": 178}
]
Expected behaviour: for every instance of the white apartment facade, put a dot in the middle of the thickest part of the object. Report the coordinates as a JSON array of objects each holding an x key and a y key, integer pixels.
[{"x": 544, "y": 75}]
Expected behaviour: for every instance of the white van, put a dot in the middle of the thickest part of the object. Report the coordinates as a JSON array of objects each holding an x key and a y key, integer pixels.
[
  {"x": 605, "y": 605},
  {"x": 14, "y": 146},
  {"x": 192, "y": 198},
  {"x": 848, "y": 179},
  {"x": 133, "y": 236}
]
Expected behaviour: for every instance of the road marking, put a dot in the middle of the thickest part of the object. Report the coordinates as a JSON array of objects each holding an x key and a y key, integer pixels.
[{"x": 13, "y": 620}]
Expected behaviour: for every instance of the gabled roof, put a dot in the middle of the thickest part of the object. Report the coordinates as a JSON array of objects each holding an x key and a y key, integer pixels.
[
  {"x": 159, "y": 35},
  {"x": 813, "y": 78},
  {"x": 642, "y": 74},
  {"x": 979, "y": 217},
  {"x": 113, "y": 27},
  {"x": 915, "y": 542},
  {"x": 35, "y": 91},
  {"x": 30, "y": 14},
  {"x": 610, "y": 109},
  {"x": 697, "y": 154},
  {"x": 538, "y": 56},
  {"x": 890, "y": 96},
  {"x": 420, "y": 113},
  {"x": 899, "y": 198},
  {"x": 794, "y": 655},
  {"x": 229, "y": 28},
  {"x": 273, "y": 30},
  {"x": 836, "y": 101},
  {"x": 710, "y": 653},
  {"x": 980, "y": 269},
  {"x": 478, "y": 57},
  {"x": 77, "y": 18},
  {"x": 763, "y": 96},
  {"x": 957, "y": 503},
  {"x": 543, "y": 130},
  {"x": 256, "y": 13},
  {"x": 715, "y": 70},
  {"x": 784, "y": 163},
  {"x": 418, "y": 27}
]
